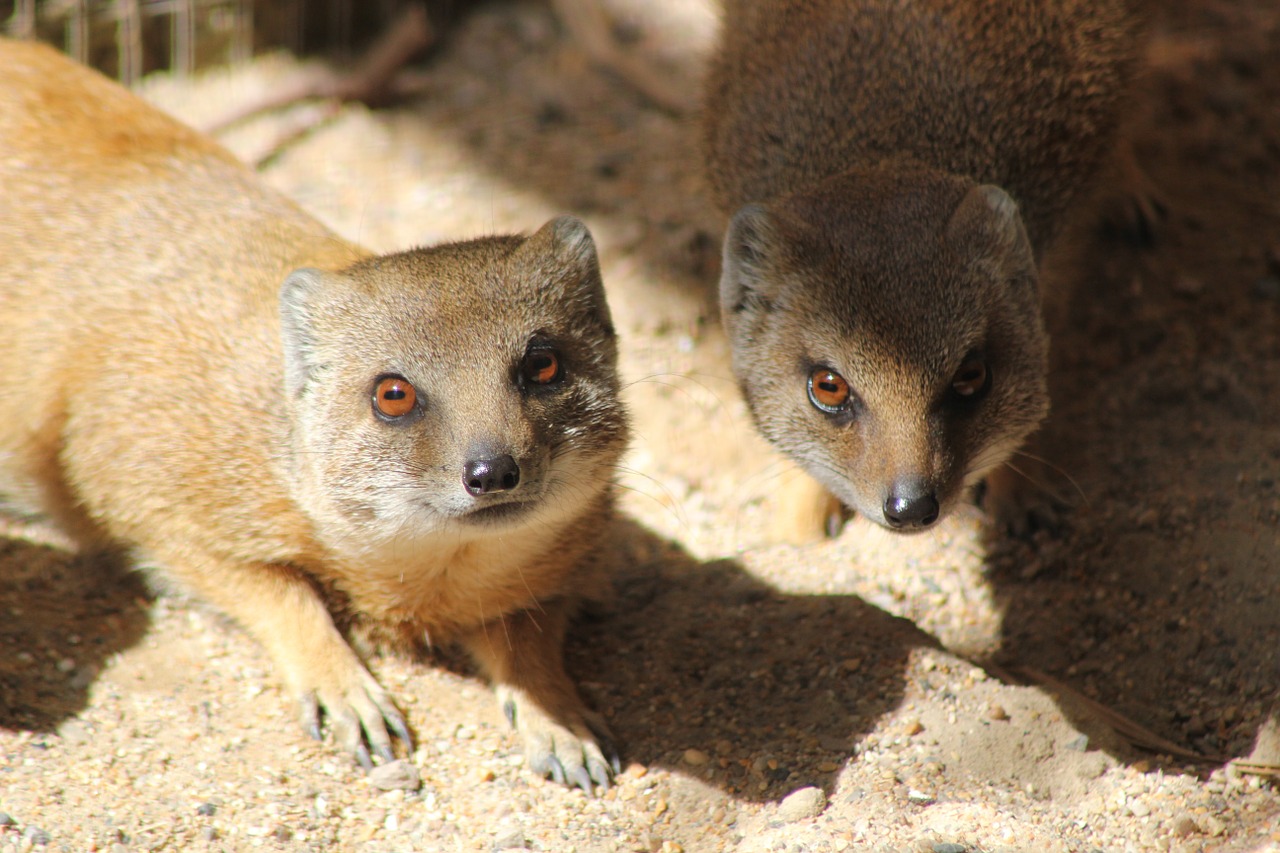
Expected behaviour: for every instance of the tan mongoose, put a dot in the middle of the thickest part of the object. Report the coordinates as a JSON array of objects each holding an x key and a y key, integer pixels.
[
  {"x": 895, "y": 171},
  {"x": 309, "y": 437}
]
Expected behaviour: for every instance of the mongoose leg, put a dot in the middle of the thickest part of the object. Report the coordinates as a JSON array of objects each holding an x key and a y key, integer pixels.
[
  {"x": 283, "y": 612},
  {"x": 523, "y": 654}
]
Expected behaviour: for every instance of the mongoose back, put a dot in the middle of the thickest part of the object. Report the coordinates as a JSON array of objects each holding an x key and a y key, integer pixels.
[
  {"x": 895, "y": 171},
  {"x": 310, "y": 437}
]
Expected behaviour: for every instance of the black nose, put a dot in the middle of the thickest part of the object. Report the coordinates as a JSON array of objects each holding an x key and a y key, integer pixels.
[
  {"x": 910, "y": 506},
  {"x": 495, "y": 474}
]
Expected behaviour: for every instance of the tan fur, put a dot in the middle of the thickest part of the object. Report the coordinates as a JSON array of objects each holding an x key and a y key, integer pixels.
[
  {"x": 896, "y": 172},
  {"x": 187, "y": 364}
]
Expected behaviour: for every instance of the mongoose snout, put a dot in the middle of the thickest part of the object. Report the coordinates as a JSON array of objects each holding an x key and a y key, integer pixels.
[{"x": 491, "y": 474}]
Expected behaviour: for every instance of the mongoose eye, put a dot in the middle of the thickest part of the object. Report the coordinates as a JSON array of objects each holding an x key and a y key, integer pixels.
[
  {"x": 972, "y": 378},
  {"x": 541, "y": 367},
  {"x": 394, "y": 397},
  {"x": 828, "y": 390}
]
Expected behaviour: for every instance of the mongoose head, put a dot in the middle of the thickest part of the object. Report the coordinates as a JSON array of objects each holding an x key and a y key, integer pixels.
[
  {"x": 887, "y": 334},
  {"x": 466, "y": 389}
]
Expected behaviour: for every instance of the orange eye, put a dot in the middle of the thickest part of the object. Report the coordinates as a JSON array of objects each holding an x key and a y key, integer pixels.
[
  {"x": 828, "y": 390},
  {"x": 541, "y": 366},
  {"x": 394, "y": 397},
  {"x": 972, "y": 377}
]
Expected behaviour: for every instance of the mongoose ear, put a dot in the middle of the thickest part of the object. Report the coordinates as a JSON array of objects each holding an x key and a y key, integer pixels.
[
  {"x": 748, "y": 243},
  {"x": 988, "y": 217},
  {"x": 297, "y": 300},
  {"x": 566, "y": 253}
]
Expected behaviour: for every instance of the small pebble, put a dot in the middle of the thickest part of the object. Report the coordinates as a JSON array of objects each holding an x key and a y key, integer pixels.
[
  {"x": 398, "y": 774},
  {"x": 921, "y": 798},
  {"x": 1185, "y": 826},
  {"x": 948, "y": 847},
  {"x": 1079, "y": 744},
  {"x": 997, "y": 712},
  {"x": 801, "y": 804},
  {"x": 75, "y": 732},
  {"x": 34, "y": 836},
  {"x": 509, "y": 839},
  {"x": 7, "y": 820},
  {"x": 206, "y": 809},
  {"x": 695, "y": 757}
]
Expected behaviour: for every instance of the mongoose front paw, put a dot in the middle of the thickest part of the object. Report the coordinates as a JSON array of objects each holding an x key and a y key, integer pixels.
[
  {"x": 805, "y": 511},
  {"x": 1019, "y": 502},
  {"x": 362, "y": 718},
  {"x": 579, "y": 753}
]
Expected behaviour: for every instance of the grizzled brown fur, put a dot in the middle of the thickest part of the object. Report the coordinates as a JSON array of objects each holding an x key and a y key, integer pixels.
[{"x": 896, "y": 172}]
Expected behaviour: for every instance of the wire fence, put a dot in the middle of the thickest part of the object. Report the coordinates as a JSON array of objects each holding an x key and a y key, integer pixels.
[{"x": 129, "y": 38}]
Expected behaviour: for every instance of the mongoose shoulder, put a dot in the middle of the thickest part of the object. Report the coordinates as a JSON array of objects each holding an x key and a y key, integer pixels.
[
  {"x": 895, "y": 172},
  {"x": 311, "y": 437}
]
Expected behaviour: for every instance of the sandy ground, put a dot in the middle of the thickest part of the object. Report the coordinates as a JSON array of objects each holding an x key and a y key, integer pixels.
[{"x": 1080, "y": 690}]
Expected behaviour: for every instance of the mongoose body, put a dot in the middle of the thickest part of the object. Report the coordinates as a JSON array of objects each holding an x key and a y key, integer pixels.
[
  {"x": 895, "y": 173},
  {"x": 310, "y": 437}
]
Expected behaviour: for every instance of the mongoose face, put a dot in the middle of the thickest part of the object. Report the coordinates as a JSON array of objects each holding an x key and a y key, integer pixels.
[
  {"x": 887, "y": 336},
  {"x": 461, "y": 390}
]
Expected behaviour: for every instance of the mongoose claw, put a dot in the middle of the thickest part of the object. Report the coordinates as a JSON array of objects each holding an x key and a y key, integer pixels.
[
  {"x": 569, "y": 759},
  {"x": 399, "y": 728},
  {"x": 1140, "y": 209},
  {"x": 571, "y": 755},
  {"x": 363, "y": 720},
  {"x": 602, "y": 762},
  {"x": 610, "y": 750},
  {"x": 362, "y": 757},
  {"x": 548, "y": 766},
  {"x": 309, "y": 715},
  {"x": 581, "y": 778},
  {"x": 603, "y": 773},
  {"x": 1136, "y": 217}
]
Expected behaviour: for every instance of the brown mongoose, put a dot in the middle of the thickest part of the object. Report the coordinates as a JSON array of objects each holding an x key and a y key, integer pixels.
[
  {"x": 895, "y": 171},
  {"x": 310, "y": 437}
]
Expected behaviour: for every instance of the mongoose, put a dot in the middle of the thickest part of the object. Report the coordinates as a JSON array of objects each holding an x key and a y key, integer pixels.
[
  {"x": 895, "y": 171},
  {"x": 310, "y": 437}
]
